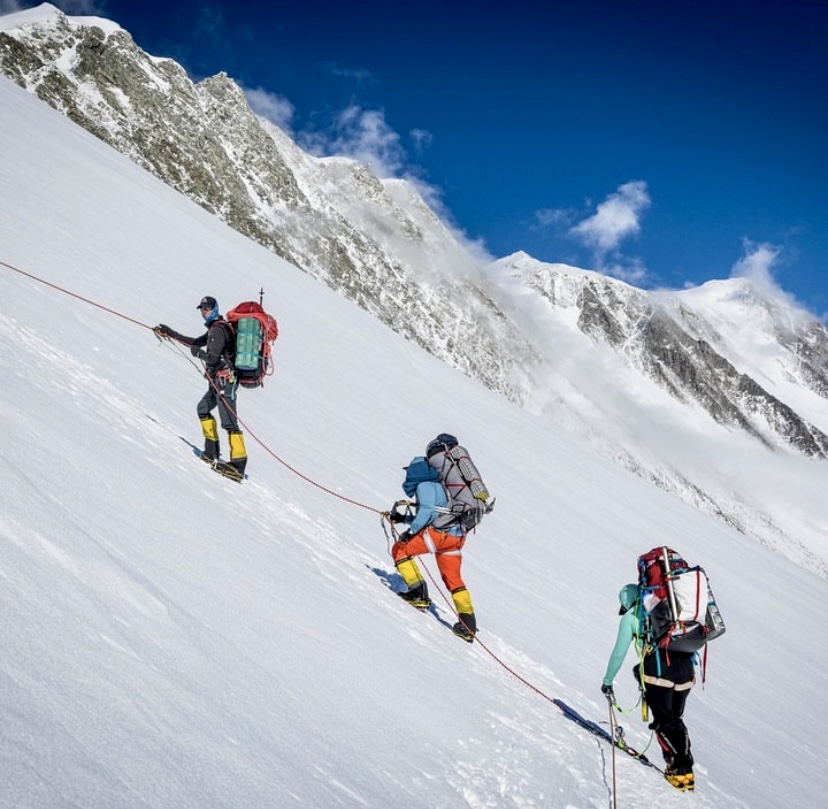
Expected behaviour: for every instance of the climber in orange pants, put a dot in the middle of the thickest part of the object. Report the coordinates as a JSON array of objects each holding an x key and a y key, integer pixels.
[{"x": 423, "y": 483}]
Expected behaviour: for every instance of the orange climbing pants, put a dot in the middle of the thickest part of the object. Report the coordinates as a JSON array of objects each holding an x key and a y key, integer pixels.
[{"x": 447, "y": 550}]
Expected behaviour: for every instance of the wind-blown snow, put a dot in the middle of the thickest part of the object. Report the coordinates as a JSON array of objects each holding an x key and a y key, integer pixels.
[
  {"x": 46, "y": 12},
  {"x": 171, "y": 639}
]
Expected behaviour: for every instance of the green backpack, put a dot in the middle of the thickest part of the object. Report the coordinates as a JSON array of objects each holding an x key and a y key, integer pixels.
[{"x": 255, "y": 331}]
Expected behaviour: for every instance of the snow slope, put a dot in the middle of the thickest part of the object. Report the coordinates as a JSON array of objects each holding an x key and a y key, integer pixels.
[{"x": 171, "y": 639}]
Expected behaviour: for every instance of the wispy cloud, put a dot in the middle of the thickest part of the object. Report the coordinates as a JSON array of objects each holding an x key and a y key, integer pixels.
[
  {"x": 616, "y": 218},
  {"x": 555, "y": 217},
  {"x": 359, "y": 75},
  {"x": 362, "y": 135},
  {"x": 209, "y": 23},
  {"x": 422, "y": 139},
  {"x": 277, "y": 109},
  {"x": 757, "y": 263}
]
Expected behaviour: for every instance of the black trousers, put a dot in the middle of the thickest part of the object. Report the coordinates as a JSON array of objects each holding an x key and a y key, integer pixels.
[
  {"x": 668, "y": 679},
  {"x": 226, "y": 414}
]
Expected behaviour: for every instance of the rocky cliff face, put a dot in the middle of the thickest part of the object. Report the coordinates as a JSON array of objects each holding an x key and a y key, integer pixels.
[{"x": 672, "y": 343}]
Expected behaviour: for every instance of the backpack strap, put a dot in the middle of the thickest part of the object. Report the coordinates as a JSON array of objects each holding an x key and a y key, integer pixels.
[{"x": 229, "y": 353}]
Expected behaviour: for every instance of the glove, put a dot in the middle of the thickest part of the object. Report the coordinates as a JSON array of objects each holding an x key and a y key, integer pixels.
[
  {"x": 404, "y": 536},
  {"x": 607, "y": 691},
  {"x": 162, "y": 330},
  {"x": 396, "y": 517},
  {"x": 197, "y": 352}
]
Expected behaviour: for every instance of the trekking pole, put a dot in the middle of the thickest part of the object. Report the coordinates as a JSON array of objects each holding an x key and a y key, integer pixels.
[{"x": 610, "y": 704}]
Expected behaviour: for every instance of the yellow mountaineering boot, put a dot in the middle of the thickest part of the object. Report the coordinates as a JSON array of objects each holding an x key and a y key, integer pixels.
[{"x": 681, "y": 778}]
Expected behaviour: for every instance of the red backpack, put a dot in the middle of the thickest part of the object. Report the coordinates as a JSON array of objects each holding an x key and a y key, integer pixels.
[
  {"x": 679, "y": 611},
  {"x": 254, "y": 331}
]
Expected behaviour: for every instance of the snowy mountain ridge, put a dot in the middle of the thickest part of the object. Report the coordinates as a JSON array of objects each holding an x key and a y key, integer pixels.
[{"x": 723, "y": 361}]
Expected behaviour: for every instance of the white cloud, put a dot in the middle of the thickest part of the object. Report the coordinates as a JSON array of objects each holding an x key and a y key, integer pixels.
[
  {"x": 363, "y": 135},
  {"x": 277, "y": 109},
  {"x": 554, "y": 217},
  {"x": 617, "y": 217},
  {"x": 758, "y": 266},
  {"x": 631, "y": 270},
  {"x": 757, "y": 263}
]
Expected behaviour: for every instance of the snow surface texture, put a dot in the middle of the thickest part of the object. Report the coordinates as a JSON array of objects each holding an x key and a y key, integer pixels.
[{"x": 172, "y": 639}]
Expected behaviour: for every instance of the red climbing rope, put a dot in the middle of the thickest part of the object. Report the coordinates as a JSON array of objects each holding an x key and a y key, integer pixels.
[{"x": 252, "y": 434}]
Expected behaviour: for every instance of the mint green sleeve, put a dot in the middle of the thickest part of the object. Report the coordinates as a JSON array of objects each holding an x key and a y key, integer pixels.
[{"x": 622, "y": 643}]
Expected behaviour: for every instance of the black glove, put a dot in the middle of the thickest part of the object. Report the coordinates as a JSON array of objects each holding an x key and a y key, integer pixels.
[
  {"x": 396, "y": 517},
  {"x": 404, "y": 536},
  {"x": 197, "y": 352},
  {"x": 607, "y": 691},
  {"x": 162, "y": 330}
]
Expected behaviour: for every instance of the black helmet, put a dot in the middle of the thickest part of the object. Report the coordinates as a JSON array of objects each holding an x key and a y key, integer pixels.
[{"x": 443, "y": 443}]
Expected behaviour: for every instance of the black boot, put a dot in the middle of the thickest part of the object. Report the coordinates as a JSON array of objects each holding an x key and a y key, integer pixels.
[
  {"x": 466, "y": 627},
  {"x": 211, "y": 451},
  {"x": 417, "y": 596}
]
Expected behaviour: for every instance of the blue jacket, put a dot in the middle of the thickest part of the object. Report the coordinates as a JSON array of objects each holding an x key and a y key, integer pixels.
[{"x": 430, "y": 496}]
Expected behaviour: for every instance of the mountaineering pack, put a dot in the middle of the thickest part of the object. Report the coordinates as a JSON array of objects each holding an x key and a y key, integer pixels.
[
  {"x": 680, "y": 613},
  {"x": 254, "y": 331},
  {"x": 467, "y": 494}
]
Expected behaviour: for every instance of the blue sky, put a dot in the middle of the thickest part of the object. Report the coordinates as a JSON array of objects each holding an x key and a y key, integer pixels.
[{"x": 663, "y": 142}]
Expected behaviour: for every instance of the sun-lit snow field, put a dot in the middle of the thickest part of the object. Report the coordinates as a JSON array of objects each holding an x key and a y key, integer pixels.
[{"x": 172, "y": 639}]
